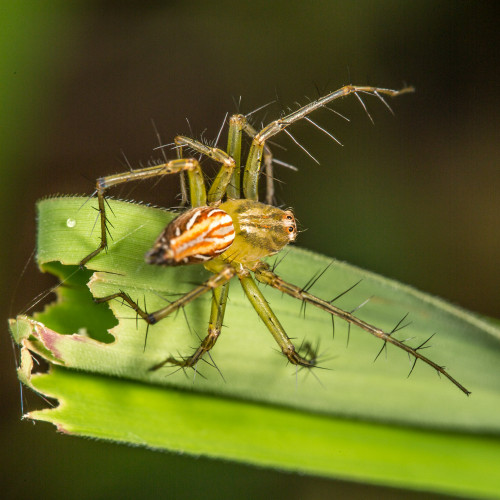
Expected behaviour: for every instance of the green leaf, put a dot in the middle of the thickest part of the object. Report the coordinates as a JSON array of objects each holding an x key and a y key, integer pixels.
[{"x": 356, "y": 419}]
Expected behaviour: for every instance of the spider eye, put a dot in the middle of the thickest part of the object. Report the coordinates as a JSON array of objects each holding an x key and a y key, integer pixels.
[
  {"x": 289, "y": 217},
  {"x": 290, "y": 229}
]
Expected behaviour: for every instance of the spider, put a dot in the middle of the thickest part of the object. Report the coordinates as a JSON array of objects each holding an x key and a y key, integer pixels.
[{"x": 230, "y": 232}]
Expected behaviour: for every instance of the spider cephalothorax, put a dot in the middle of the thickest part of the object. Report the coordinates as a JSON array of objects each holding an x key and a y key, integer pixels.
[{"x": 229, "y": 231}]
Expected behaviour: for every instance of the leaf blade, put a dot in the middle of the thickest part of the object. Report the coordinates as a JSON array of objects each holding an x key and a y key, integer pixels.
[
  {"x": 270, "y": 436},
  {"x": 73, "y": 332}
]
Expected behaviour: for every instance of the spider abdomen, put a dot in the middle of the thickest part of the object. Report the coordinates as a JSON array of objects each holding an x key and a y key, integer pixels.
[{"x": 198, "y": 235}]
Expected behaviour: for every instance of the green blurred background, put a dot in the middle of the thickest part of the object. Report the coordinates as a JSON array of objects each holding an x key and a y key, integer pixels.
[{"x": 415, "y": 197}]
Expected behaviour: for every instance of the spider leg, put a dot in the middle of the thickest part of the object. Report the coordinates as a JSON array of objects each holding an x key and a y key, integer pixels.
[
  {"x": 255, "y": 155},
  {"x": 228, "y": 180},
  {"x": 267, "y": 315},
  {"x": 268, "y": 164},
  {"x": 215, "y": 281},
  {"x": 221, "y": 181},
  {"x": 264, "y": 274},
  {"x": 189, "y": 165},
  {"x": 237, "y": 125},
  {"x": 219, "y": 300}
]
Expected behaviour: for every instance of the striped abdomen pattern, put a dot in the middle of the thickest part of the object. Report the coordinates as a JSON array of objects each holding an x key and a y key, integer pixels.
[{"x": 198, "y": 235}]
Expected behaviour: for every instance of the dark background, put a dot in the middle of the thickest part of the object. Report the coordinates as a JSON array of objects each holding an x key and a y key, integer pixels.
[{"x": 415, "y": 197}]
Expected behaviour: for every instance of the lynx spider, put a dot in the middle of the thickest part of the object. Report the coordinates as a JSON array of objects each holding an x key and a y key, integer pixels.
[{"x": 230, "y": 232}]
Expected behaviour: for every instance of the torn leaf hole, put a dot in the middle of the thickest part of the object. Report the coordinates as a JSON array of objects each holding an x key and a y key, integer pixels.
[{"x": 74, "y": 310}]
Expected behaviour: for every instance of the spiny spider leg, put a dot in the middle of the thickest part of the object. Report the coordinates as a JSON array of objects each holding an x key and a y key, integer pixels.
[
  {"x": 211, "y": 283},
  {"x": 219, "y": 301},
  {"x": 189, "y": 165},
  {"x": 238, "y": 124},
  {"x": 220, "y": 183},
  {"x": 267, "y": 315},
  {"x": 268, "y": 164},
  {"x": 228, "y": 180},
  {"x": 264, "y": 274},
  {"x": 254, "y": 159}
]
